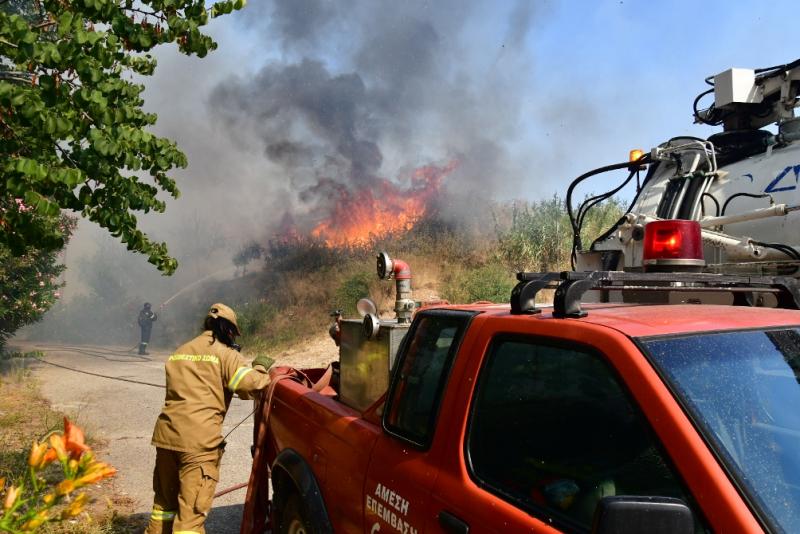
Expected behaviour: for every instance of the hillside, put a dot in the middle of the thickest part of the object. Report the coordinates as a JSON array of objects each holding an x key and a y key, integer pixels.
[{"x": 285, "y": 286}]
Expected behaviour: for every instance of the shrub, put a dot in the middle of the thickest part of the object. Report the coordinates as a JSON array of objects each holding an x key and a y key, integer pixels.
[
  {"x": 29, "y": 284},
  {"x": 490, "y": 282},
  {"x": 539, "y": 236},
  {"x": 351, "y": 290}
]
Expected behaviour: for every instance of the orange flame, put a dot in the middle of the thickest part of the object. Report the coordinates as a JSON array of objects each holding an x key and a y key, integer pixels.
[{"x": 358, "y": 217}]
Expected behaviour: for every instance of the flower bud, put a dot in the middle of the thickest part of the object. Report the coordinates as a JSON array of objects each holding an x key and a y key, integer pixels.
[
  {"x": 57, "y": 442},
  {"x": 11, "y": 497},
  {"x": 75, "y": 507},
  {"x": 65, "y": 486},
  {"x": 36, "y": 456}
]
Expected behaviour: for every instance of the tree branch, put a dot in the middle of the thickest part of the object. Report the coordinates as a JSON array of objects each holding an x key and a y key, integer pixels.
[{"x": 153, "y": 14}]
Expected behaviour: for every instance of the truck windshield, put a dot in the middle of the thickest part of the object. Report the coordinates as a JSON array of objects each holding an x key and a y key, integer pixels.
[{"x": 743, "y": 391}]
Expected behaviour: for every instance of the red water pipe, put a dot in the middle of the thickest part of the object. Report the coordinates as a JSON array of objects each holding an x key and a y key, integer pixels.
[{"x": 401, "y": 270}]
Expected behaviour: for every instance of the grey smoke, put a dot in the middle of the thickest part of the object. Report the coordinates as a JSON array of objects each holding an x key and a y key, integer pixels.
[{"x": 368, "y": 90}]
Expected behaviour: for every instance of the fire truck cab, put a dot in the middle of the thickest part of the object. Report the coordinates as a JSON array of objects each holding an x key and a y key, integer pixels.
[{"x": 575, "y": 417}]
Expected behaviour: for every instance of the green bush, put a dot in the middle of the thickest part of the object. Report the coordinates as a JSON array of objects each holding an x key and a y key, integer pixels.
[
  {"x": 251, "y": 316},
  {"x": 491, "y": 282},
  {"x": 29, "y": 284},
  {"x": 351, "y": 290}
]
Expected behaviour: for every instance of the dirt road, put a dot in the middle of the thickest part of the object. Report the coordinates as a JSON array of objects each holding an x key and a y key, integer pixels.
[{"x": 122, "y": 414}]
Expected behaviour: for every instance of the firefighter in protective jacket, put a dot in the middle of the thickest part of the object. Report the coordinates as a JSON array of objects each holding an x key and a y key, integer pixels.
[
  {"x": 146, "y": 319},
  {"x": 202, "y": 376}
]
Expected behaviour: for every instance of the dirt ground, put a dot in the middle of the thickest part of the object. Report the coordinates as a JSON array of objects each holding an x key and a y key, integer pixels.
[{"x": 121, "y": 414}]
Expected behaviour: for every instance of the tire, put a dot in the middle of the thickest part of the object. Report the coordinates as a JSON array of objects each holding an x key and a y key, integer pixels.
[{"x": 293, "y": 518}]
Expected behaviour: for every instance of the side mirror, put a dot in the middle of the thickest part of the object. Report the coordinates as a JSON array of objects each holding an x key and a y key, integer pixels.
[{"x": 639, "y": 515}]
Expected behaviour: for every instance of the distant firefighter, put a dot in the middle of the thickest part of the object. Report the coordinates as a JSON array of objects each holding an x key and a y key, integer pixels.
[{"x": 146, "y": 319}]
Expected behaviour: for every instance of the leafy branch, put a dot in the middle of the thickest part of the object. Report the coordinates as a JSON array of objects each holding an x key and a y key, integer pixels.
[{"x": 73, "y": 133}]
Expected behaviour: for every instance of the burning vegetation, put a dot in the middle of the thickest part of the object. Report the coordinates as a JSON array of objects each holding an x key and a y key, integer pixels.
[{"x": 360, "y": 216}]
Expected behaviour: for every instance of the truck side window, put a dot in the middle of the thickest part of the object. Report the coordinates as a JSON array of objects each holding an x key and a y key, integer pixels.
[
  {"x": 421, "y": 375},
  {"x": 553, "y": 432}
]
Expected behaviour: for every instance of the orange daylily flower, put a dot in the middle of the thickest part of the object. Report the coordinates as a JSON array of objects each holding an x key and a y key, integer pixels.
[
  {"x": 49, "y": 457},
  {"x": 74, "y": 440},
  {"x": 97, "y": 472}
]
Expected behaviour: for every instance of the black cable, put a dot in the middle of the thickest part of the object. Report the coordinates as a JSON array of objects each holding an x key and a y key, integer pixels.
[
  {"x": 239, "y": 424},
  {"x": 576, "y": 238},
  {"x": 102, "y": 376},
  {"x": 96, "y": 353},
  {"x": 710, "y": 110},
  {"x": 766, "y": 72},
  {"x": 786, "y": 249},
  {"x": 712, "y": 197},
  {"x": 750, "y": 195},
  {"x": 589, "y": 203},
  {"x": 649, "y": 176}
]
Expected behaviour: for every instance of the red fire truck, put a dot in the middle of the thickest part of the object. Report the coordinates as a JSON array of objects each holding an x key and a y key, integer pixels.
[{"x": 658, "y": 393}]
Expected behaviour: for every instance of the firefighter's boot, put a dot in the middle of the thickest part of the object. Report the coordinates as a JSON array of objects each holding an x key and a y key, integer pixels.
[{"x": 143, "y": 349}]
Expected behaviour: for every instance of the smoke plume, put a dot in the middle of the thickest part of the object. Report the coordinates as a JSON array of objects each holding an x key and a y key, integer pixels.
[{"x": 363, "y": 91}]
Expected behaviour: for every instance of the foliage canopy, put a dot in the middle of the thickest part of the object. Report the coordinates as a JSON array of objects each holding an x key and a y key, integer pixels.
[{"x": 73, "y": 133}]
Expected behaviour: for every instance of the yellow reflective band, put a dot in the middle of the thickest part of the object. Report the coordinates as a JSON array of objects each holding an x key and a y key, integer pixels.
[
  {"x": 162, "y": 515},
  {"x": 241, "y": 372},
  {"x": 185, "y": 532},
  {"x": 194, "y": 358}
]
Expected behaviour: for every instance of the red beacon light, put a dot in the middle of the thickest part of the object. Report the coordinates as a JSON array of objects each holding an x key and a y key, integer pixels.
[{"x": 673, "y": 245}]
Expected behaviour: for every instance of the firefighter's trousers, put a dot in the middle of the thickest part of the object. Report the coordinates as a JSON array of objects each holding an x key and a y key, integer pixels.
[{"x": 184, "y": 484}]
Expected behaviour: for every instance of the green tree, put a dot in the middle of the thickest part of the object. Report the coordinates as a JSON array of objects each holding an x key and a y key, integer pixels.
[
  {"x": 29, "y": 283},
  {"x": 73, "y": 134}
]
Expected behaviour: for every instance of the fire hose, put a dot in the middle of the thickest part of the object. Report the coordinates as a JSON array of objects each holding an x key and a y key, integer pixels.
[
  {"x": 271, "y": 388},
  {"x": 256, "y": 518}
]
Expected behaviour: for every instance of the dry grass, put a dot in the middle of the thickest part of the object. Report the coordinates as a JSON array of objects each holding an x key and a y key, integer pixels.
[{"x": 24, "y": 417}]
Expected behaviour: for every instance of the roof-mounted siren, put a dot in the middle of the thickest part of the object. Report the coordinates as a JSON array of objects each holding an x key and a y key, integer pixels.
[{"x": 673, "y": 245}]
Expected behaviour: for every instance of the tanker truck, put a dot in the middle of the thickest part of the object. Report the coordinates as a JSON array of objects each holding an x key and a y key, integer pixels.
[{"x": 740, "y": 185}]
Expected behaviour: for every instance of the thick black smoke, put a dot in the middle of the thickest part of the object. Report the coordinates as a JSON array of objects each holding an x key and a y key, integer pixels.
[{"x": 366, "y": 89}]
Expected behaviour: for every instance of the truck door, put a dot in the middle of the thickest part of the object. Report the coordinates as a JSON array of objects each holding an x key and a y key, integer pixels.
[
  {"x": 403, "y": 467},
  {"x": 551, "y": 430}
]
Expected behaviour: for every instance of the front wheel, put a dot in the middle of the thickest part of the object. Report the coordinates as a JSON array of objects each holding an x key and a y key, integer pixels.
[{"x": 293, "y": 519}]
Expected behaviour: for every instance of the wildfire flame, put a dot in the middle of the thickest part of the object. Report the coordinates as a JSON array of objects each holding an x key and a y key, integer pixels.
[{"x": 358, "y": 217}]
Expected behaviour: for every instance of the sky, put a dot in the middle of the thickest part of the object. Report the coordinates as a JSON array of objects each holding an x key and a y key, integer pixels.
[{"x": 524, "y": 95}]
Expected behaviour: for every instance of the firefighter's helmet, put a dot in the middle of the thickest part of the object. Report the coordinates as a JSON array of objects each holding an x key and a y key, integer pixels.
[{"x": 221, "y": 310}]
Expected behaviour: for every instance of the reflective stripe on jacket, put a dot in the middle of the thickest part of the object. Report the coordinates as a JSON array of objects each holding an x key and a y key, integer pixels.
[{"x": 202, "y": 376}]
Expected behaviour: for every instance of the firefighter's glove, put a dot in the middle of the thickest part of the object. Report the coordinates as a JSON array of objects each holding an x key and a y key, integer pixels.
[{"x": 264, "y": 361}]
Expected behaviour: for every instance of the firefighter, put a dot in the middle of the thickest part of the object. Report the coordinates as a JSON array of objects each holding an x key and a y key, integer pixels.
[
  {"x": 202, "y": 376},
  {"x": 146, "y": 319}
]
